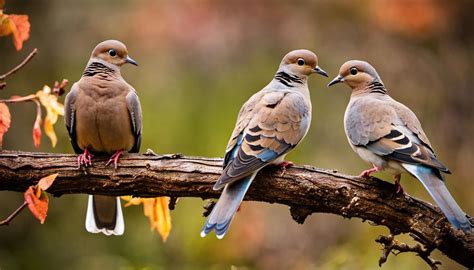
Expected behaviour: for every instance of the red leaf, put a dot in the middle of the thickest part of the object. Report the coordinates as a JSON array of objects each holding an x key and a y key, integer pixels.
[
  {"x": 5, "y": 118},
  {"x": 37, "y": 132},
  {"x": 38, "y": 205},
  {"x": 22, "y": 31},
  {"x": 47, "y": 181}
]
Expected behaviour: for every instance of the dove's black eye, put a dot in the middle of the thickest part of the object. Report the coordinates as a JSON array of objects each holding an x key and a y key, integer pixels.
[
  {"x": 300, "y": 61},
  {"x": 112, "y": 52},
  {"x": 353, "y": 71}
]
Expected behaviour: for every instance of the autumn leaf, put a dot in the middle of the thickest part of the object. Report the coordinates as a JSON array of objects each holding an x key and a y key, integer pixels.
[
  {"x": 156, "y": 209},
  {"x": 47, "y": 181},
  {"x": 37, "y": 199},
  {"x": 5, "y": 118},
  {"x": 22, "y": 31},
  {"x": 53, "y": 109},
  {"x": 16, "y": 25},
  {"x": 38, "y": 205},
  {"x": 37, "y": 131}
]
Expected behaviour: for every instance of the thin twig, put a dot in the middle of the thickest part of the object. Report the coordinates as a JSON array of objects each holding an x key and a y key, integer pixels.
[
  {"x": 22, "y": 64},
  {"x": 18, "y": 99},
  {"x": 390, "y": 245},
  {"x": 7, "y": 221}
]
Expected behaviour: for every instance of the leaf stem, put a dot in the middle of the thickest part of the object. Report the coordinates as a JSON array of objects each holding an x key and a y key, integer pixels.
[{"x": 7, "y": 221}]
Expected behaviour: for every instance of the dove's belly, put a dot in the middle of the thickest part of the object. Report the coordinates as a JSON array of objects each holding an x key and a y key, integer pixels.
[
  {"x": 388, "y": 165},
  {"x": 104, "y": 126}
]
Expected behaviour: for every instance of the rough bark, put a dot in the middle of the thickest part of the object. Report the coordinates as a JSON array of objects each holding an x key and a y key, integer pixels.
[{"x": 305, "y": 190}]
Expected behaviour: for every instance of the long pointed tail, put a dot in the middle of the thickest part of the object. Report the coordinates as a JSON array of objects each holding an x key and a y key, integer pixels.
[
  {"x": 226, "y": 207},
  {"x": 440, "y": 194},
  {"x": 104, "y": 215}
]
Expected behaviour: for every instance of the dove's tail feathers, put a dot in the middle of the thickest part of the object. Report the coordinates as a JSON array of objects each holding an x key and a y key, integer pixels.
[
  {"x": 104, "y": 215},
  {"x": 226, "y": 207},
  {"x": 440, "y": 194}
]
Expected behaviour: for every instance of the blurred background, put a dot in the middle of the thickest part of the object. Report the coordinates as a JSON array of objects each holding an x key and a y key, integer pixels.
[{"x": 199, "y": 62}]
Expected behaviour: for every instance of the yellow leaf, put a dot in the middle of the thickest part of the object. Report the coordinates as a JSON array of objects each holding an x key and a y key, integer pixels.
[
  {"x": 5, "y": 27},
  {"x": 131, "y": 200},
  {"x": 163, "y": 222},
  {"x": 53, "y": 109},
  {"x": 156, "y": 209}
]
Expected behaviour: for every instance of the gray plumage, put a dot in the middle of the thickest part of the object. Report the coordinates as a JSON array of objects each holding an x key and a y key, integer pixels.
[
  {"x": 270, "y": 124},
  {"x": 388, "y": 135}
]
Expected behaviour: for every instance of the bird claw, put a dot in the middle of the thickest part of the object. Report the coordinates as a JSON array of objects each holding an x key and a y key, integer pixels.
[
  {"x": 284, "y": 165},
  {"x": 367, "y": 173},
  {"x": 115, "y": 159},
  {"x": 84, "y": 159},
  {"x": 399, "y": 189}
]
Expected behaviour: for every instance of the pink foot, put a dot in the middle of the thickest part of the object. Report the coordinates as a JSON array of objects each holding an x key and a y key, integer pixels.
[
  {"x": 115, "y": 158},
  {"x": 399, "y": 187},
  {"x": 84, "y": 159},
  {"x": 284, "y": 165},
  {"x": 368, "y": 172}
]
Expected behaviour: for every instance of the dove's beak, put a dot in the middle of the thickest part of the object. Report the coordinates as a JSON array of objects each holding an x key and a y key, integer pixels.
[
  {"x": 338, "y": 79},
  {"x": 320, "y": 71},
  {"x": 131, "y": 61}
]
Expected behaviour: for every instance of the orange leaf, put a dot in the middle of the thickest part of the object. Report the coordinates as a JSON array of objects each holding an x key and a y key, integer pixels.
[
  {"x": 157, "y": 211},
  {"x": 38, "y": 205},
  {"x": 20, "y": 28},
  {"x": 5, "y": 119},
  {"x": 2, "y": 4},
  {"x": 37, "y": 131},
  {"x": 47, "y": 181}
]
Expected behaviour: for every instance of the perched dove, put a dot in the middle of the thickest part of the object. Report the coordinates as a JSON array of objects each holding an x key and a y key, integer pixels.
[
  {"x": 388, "y": 134},
  {"x": 103, "y": 115},
  {"x": 270, "y": 124}
]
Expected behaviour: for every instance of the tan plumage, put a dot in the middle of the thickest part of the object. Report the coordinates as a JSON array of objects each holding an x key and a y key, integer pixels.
[
  {"x": 388, "y": 134},
  {"x": 103, "y": 116},
  {"x": 103, "y": 121}
]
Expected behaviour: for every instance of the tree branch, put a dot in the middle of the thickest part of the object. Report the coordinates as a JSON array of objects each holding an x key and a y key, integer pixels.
[{"x": 305, "y": 190}]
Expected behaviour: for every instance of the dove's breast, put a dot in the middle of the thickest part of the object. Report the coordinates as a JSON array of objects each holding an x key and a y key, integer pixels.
[{"x": 103, "y": 121}]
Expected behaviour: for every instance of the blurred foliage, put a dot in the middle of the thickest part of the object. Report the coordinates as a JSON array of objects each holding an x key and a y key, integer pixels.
[{"x": 199, "y": 61}]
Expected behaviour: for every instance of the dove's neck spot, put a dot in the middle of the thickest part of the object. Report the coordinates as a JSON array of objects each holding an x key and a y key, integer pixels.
[
  {"x": 376, "y": 87},
  {"x": 98, "y": 67},
  {"x": 287, "y": 79}
]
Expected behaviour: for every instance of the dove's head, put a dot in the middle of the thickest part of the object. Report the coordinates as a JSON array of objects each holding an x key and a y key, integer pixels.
[
  {"x": 301, "y": 62},
  {"x": 357, "y": 74},
  {"x": 113, "y": 52}
]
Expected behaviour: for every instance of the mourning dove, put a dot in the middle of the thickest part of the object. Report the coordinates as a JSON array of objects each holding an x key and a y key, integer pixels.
[
  {"x": 388, "y": 134},
  {"x": 103, "y": 115},
  {"x": 270, "y": 124}
]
